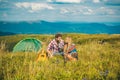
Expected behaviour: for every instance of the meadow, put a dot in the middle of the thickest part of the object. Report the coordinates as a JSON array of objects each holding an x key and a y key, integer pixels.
[{"x": 99, "y": 59}]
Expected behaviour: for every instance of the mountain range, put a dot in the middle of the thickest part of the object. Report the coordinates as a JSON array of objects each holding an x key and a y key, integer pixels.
[{"x": 45, "y": 27}]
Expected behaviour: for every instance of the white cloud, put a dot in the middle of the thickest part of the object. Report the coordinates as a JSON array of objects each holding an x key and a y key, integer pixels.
[
  {"x": 49, "y": 0},
  {"x": 65, "y": 1},
  {"x": 105, "y": 11},
  {"x": 90, "y": 10},
  {"x": 31, "y": 11},
  {"x": 88, "y": 13},
  {"x": 63, "y": 11},
  {"x": 34, "y": 6},
  {"x": 82, "y": 10},
  {"x": 85, "y": 10},
  {"x": 96, "y": 1}
]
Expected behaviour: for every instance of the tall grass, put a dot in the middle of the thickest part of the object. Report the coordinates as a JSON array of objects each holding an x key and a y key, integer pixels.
[{"x": 97, "y": 61}]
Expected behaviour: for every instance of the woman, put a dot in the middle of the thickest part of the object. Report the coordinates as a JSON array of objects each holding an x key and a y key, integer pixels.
[{"x": 70, "y": 52}]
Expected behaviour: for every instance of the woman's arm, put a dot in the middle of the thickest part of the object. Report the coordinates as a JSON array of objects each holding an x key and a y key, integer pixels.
[{"x": 65, "y": 49}]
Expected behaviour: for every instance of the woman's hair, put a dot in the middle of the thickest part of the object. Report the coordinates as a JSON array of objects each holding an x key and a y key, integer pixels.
[
  {"x": 68, "y": 40},
  {"x": 67, "y": 43}
]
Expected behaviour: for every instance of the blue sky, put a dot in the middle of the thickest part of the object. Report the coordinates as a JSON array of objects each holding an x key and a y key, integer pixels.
[{"x": 60, "y": 10}]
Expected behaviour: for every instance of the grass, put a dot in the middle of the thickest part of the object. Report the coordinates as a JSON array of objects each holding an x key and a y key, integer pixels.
[{"x": 99, "y": 59}]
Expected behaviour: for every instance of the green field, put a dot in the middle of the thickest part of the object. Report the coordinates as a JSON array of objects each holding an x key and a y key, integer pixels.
[{"x": 99, "y": 59}]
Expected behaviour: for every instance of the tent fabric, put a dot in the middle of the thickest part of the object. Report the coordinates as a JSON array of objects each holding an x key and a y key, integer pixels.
[{"x": 28, "y": 45}]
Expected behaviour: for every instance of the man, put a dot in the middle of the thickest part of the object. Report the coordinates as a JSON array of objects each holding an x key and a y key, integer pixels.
[{"x": 55, "y": 46}]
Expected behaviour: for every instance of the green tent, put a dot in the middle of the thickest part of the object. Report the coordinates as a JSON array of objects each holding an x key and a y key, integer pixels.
[{"x": 28, "y": 45}]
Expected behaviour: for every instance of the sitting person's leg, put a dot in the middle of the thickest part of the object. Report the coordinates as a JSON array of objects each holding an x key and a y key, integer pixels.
[
  {"x": 58, "y": 53},
  {"x": 69, "y": 57},
  {"x": 75, "y": 55},
  {"x": 70, "y": 50}
]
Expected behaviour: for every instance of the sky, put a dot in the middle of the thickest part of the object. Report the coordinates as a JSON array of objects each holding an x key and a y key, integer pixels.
[{"x": 60, "y": 10}]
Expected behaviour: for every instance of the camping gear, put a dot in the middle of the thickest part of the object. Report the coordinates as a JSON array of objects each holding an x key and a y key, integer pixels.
[
  {"x": 28, "y": 45},
  {"x": 41, "y": 56}
]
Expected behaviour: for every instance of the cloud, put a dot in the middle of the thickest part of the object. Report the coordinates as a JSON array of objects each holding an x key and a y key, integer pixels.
[
  {"x": 69, "y": 1},
  {"x": 108, "y": 2},
  {"x": 33, "y": 6},
  {"x": 96, "y": 1},
  {"x": 88, "y": 11},
  {"x": 49, "y": 0},
  {"x": 105, "y": 11},
  {"x": 77, "y": 10},
  {"x": 65, "y": 1},
  {"x": 63, "y": 11}
]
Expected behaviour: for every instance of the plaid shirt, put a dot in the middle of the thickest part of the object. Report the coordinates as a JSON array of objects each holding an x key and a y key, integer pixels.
[{"x": 54, "y": 47}]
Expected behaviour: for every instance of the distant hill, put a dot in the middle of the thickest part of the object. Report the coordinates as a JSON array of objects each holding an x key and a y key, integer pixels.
[
  {"x": 44, "y": 27},
  {"x": 6, "y": 33}
]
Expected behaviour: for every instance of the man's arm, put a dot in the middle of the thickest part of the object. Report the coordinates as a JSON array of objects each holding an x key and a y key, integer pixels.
[
  {"x": 49, "y": 49},
  {"x": 49, "y": 53}
]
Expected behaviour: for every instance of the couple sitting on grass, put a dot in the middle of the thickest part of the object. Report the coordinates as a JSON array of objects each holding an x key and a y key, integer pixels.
[{"x": 65, "y": 48}]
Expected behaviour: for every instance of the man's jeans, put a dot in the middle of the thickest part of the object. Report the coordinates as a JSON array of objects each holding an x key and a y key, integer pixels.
[{"x": 58, "y": 53}]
